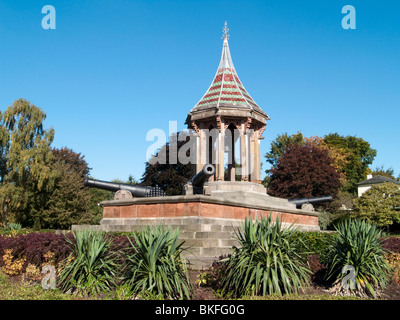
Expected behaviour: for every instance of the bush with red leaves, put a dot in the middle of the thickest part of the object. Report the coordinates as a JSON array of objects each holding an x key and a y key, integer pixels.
[
  {"x": 392, "y": 244},
  {"x": 34, "y": 246},
  {"x": 304, "y": 171}
]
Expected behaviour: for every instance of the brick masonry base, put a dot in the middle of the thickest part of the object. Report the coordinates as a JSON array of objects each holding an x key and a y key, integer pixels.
[{"x": 207, "y": 225}]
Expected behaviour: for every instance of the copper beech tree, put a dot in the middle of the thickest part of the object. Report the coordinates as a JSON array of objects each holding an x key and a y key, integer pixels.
[{"x": 304, "y": 170}]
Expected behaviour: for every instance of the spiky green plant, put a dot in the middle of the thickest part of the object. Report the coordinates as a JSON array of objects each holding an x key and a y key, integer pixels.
[
  {"x": 90, "y": 268},
  {"x": 265, "y": 262},
  {"x": 155, "y": 267},
  {"x": 358, "y": 245}
]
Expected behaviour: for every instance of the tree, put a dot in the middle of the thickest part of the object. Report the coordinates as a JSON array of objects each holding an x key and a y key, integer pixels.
[
  {"x": 359, "y": 156},
  {"x": 69, "y": 201},
  {"x": 378, "y": 204},
  {"x": 380, "y": 171},
  {"x": 279, "y": 145},
  {"x": 25, "y": 160},
  {"x": 170, "y": 177},
  {"x": 304, "y": 171}
]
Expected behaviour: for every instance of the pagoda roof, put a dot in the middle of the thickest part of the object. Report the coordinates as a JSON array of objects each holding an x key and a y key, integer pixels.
[{"x": 226, "y": 89}]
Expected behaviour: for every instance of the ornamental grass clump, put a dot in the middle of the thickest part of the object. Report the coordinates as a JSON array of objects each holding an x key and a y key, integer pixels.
[
  {"x": 155, "y": 267},
  {"x": 266, "y": 262},
  {"x": 357, "y": 262},
  {"x": 90, "y": 268}
]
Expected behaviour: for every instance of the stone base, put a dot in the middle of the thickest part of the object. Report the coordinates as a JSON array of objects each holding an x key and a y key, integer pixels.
[{"x": 207, "y": 223}]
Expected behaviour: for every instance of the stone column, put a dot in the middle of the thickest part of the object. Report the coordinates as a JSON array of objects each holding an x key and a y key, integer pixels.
[
  {"x": 244, "y": 153},
  {"x": 220, "y": 154},
  {"x": 256, "y": 165},
  {"x": 252, "y": 156}
]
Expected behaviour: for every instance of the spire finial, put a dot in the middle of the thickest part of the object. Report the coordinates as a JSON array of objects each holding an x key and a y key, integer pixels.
[{"x": 225, "y": 31}]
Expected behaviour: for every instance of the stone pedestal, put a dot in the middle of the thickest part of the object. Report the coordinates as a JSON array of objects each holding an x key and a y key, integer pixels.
[{"x": 207, "y": 222}]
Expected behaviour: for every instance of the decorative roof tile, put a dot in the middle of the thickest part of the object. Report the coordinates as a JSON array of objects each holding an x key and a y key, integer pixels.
[{"x": 226, "y": 88}]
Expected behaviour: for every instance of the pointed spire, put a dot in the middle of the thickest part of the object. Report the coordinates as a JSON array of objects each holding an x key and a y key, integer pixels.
[
  {"x": 226, "y": 60},
  {"x": 226, "y": 88}
]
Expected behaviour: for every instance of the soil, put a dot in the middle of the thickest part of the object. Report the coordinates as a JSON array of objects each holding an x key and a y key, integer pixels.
[{"x": 391, "y": 292}]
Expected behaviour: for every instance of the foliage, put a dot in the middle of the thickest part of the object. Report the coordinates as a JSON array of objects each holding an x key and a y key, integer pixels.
[
  {"x": 312, "y": 242},
  {"x": 377, "y": 204},
  {"x": 156, "y": 267},
  {"x": 392, "y": 244},
  {"x": 14, "y": 226},
  {"x": 68, "y": 202},
  {"x": 279, "y": 145},
  {"x": 35, "y": 247},
  {"x": 359, "y": 156},
  {"x": 170, "y": 177},
  {"x": 393, "y": 260},
  {"x": 22, "y": 290},
  {"x": 304, "y": 171},
  {"x": 266, "y": 262},
  {"x": 12, "y": 266},
  {"x": 25, "y": 164},
  {"x": 380, "y": 171},
  {"x": 359, "y": 244},
  {"x": 90, "y": 268}
]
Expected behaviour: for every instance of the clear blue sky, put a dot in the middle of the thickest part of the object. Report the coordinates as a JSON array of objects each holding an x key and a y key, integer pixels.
[{"x": 113, "y": 70}]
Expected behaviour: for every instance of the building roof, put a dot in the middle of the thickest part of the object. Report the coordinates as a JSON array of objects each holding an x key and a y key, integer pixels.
[
  {"x": 377, "y": 179},
  {"x": 226, "y": 89}
]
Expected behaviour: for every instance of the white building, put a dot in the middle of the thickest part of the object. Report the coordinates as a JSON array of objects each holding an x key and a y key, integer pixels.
[{"x": 372, "y": 180}]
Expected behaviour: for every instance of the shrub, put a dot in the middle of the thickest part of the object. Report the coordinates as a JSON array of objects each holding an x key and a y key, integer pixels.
[
  {"x": 34, "y": 247},
  {"x": 90, "y": 268},
  {"x": 394, "y": 263},
  {"x": 392, "y": 244},
  {"x": 312, "y": 242},
  {"x": 266, "y": 262},
  {"x": 12, "y": 266},
  {"x": 359, "y": 244},
  {"x": 155, "y": 266}
]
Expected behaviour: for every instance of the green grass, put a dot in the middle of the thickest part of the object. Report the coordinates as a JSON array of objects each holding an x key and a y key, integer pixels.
[{"x": 10, "y": 290}]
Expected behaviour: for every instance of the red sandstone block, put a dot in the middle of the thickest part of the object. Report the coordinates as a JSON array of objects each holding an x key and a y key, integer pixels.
[
  {"x": 128, "y": 211},
  {"x": 227, "y": 212},
  {"x": 167, "y": 209},
  {"x": 111, "y": 212},
  {"x": 192, "y": 209},
  {"x": 210, "y": 210},
  {"x": 240, "y": 212},
  {"x": 147, "y": 210},
  {"x": 180, "y": 209}
]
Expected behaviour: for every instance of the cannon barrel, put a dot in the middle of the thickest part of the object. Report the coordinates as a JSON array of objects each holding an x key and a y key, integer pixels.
[
  {"x": 136, "y": 191},
  {"x": 202, "y": 176},
  {"x": 300, "y": 201}
]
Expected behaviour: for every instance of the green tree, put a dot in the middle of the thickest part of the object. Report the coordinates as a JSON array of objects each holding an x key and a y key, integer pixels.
[
  {"x": 170, "y": 177},
  {"x": 378, "y": 203},
  {"x": 69, "y": 201},
  {"x": 360, "y": 156},
  {"x": 279, "y": 145},
  {"x": 380, "y": 171},
  {"x": 26, "y": 157}
]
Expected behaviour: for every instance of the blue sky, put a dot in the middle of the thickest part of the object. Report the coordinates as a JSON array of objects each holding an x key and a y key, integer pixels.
[{"x": 113, "y": 70}]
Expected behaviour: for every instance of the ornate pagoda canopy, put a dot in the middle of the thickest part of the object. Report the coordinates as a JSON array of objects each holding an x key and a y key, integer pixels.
[{"x": 226, "y": 95}]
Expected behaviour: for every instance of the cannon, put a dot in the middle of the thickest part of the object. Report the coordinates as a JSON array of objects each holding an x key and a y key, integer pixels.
[
  {"x": 196, "y": 184},
  {"x": 125, "y": 191},
  {"x": 307, "y": 203}
]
